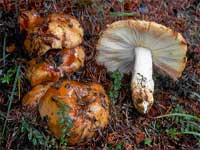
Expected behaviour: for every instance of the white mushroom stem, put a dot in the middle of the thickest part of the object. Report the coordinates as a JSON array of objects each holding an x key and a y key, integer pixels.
[{"x": 142, "y": 82}]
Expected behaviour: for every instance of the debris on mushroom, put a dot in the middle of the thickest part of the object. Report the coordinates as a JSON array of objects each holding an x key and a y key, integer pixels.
[
  {"x": 52, "y": 66},
  {"x": 134, "y": 46},
  {"x": 32, "y": 98},
  {"x": 57, "y": 31},
  {"x": 29, "y": 19},
  {"x": 85, "y": 106}
]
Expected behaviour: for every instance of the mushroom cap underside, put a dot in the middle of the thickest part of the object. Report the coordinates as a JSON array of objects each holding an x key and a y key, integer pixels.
[{"x": 117, "y": 43}]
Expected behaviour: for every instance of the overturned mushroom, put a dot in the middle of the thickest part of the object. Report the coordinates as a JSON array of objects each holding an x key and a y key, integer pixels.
[
  {"x": 134, "y": 46},
  {"x": 85, "y": 106},
  {"x": 57, "y": 31},
  {"x": 52, "y": 66}
]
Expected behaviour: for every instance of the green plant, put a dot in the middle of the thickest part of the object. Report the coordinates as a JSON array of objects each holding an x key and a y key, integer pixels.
[
  {"x": 11, "y": 97},
  {"x": 147, "y": 141},
  {"x": 120, "y": 146},
  {"x": 4, "y": 49},
  {"x": 83, "y": 3},
  {"x": 178, "y": 109},
  {"x": 117, "y": 147},
  {"x": 8, "y": 77},
  {"x": 51, "y": 143},
  {"x": 185, "y": 124},
  {"x": 195, "y": 94},
  {"x": 114, "y": 90},
  {"x": 65, "y": 122},
  {"x": 154, "y": 127},
  {"x": 122, "y": 13},
  {"x": 120, "y": 1},
  {"x": 172, "y": 132},
  {"x": 34, "y": 135},
  {"x": 37, "y": 137}
]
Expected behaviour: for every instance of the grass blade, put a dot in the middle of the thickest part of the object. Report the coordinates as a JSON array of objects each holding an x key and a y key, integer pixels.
[
  {"x": 191, "y": 132},
  {"x": 2, "y": 114},
  {"x": 121, "y": 14},
  {"x": 180, "y": 115},
  {"x": 195, "y": 94},
  {"x": 4, "y": 57},
  {"x": 11, "y": 97},
  {"x": 4, "y": 49},
  {"x": 17, "y": 8}
]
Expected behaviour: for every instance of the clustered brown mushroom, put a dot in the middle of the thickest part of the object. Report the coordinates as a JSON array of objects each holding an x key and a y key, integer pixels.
[
  {"x": 55, "y": 31},
  {"x": 53, "y": 42}
]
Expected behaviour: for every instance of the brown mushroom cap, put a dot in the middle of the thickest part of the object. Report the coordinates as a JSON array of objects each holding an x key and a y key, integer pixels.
[
  {"x": 117, "y": 43},
  {"x": 38, "y": 72},
  {"x": 32, "y": 98},
  {"x": 52, "y": 66},
  {"x": 58, "y": 31},
  {"x": 89, "y": 109},
  {"x": 29, "y": 19},
  {"x": 72, "y": 59}
]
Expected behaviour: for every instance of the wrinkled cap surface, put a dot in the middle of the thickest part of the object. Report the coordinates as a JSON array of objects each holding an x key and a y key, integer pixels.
[
  {"x": 29, "y": 19},
  {"x": 117, "y": 43},
  {"x": 52, "y": 65},
  {"x": 88, "y": 109},
  {"x": 32, "y": 98},
  {"x": 57, "y": 31}
]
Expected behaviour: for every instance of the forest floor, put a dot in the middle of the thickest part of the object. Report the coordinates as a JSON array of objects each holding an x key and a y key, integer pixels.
[{"x": 127, "y": 129}]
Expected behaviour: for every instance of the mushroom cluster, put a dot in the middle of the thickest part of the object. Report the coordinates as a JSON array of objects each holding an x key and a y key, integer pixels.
[
  {"x": 134, "y": 46},
  {"x": 53, "y": 65},
  {"x": 56, "y": 31},
  {"x": 53, "y": 42}
]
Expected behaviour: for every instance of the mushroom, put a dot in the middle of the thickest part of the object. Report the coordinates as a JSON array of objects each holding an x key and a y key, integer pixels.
[
  {"x": 38, "y": 72},
  {"x": 134, "y": 46},
  {"x": 85, "y": 106},
  {"x": 32, "y": 98},
  {"x": 29, "y": 19},
  {"x": 52, "y": 65},
  {"x": 57, "y": 31}
]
